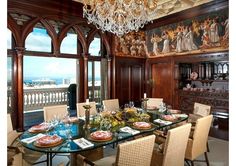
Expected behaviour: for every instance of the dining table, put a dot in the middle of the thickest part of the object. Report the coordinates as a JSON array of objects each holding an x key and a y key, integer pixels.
[{"x": 77, "y": 130}]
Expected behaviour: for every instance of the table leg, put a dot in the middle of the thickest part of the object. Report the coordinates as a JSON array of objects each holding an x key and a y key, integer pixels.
[
  {"x": 73, "y": 159},
  {"x": 50, "y": 158},
  {"x": 48, "y": 162}
]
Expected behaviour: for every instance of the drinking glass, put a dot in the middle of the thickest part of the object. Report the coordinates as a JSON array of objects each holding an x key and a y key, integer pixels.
[{"x": 131, "y": 104}]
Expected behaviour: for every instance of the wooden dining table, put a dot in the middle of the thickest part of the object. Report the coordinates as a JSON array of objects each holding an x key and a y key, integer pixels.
[{"x": 77, "y": 130}]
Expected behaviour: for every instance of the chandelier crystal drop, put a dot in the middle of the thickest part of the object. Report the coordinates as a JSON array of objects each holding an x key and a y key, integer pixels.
[{"x": 119, "y": 16}]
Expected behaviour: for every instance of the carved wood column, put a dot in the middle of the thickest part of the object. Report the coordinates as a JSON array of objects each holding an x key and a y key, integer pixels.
[
  {"x": 113, "y": 95},
  {"x": 85, "y": 73},
  {"x": 109, "y": 78},
  {"x": 20, "y": 91}
]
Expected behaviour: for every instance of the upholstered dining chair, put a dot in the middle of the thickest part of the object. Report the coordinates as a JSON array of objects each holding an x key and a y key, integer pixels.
[
  {"x": 14, "y": 148},
  {"x": 137, "y": 152},
  {"x": 199, "y": 110},
  {"x": 111, "y": 105},
  {"x": 50, "y": 112},
  {"x": 81, "y": 109},
  {"x": 197, "y": 145},
  {"x": 12, "y": 135},
  {"x": 154, "y": 102},
  {"x": 172, "y": 152}
]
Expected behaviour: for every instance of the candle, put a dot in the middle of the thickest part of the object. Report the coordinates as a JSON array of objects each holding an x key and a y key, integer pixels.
[
  {"x": 87, "y": 101},
  {"x": 144, "y": 95}
]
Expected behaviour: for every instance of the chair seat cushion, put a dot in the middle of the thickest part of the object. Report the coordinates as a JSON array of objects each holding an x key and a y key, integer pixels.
[{"x": 107, "y": 161}]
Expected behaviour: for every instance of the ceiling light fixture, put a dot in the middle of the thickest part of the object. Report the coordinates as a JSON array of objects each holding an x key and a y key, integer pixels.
[{"x": 119, "y": 16}]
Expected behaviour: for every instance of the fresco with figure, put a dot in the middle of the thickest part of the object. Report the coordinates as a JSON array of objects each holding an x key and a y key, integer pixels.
[
  {"x": 202, "y": 34},
  {"x": 131, "y": 44},
  {"x": 206, "y": 33}
]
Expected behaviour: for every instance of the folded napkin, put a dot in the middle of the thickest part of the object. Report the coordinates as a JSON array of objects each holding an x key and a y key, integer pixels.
[
  {"x": 129, "y": 130},
  {"x": 83, "y": 118},
  {"x": 162, "y": 121},
  {"x": 32, "y": 139},
  {"x": 83, "y": 143},
  {"x": 181, "y": 115}
]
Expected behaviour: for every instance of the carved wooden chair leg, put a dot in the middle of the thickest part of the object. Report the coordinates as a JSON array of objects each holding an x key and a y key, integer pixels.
[{"x": 206, "y": 157}]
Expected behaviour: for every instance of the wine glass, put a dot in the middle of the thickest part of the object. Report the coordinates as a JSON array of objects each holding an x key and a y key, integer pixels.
[
  {"x": 68, "y": 133},
  {"x": 131, "y": 104}
]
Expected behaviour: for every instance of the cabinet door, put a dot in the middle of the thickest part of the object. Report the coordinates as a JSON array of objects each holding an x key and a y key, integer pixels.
[{"x": 162, "y": 77}]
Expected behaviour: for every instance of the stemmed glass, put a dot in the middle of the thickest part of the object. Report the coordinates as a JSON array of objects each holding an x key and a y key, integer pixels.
[
  {"x": 68, "y": 133},
  {"x": 131, "y": 104}
]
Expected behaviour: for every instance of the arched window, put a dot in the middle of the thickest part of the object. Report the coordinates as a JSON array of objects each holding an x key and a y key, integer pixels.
[
  {"x": 69, "y": 43},
  {"x": 94, "y": 70},
  {"x": 38, "y": 40},
  {"x": 9, "y": 39},
  {"x": 95, "y": 46}
]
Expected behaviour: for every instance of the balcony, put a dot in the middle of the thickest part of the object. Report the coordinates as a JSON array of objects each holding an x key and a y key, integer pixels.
[{"x": 35, "y": 99}]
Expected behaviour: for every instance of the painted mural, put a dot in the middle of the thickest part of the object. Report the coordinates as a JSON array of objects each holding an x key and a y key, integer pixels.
[
  {"x": 206, "y": 33},
  {"x": 202, "y": 34},
  {"x": 133, "y": 44}
]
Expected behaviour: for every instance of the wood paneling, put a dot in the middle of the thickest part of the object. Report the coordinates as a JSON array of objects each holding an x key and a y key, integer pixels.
[
  {"x": 129, "y": 79},
  {"x": 161, "y": 75}
]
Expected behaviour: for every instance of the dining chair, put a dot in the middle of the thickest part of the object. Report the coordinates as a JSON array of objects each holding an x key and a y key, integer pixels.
[
  {"x": 199, "y": 110},
  {"x": 50, "y": 112},
  {"x": 111, "y": 105},
  {"x": 197, "y": 145},
  {"x": 137, "y": 152},
  {"x": 14, "y": 148},
  {"x": 12, "y": 135},
  {"x": 154, "y": 102},
  {"x": 81, "y": 109},
  {"x": 172, "y": 152}
]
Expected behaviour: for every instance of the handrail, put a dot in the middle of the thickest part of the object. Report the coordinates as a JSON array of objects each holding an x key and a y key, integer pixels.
[{"x": 37, "y": 98}]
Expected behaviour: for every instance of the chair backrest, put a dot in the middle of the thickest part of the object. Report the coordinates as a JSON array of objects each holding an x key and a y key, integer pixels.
[
  {"x": 197, "y": 145},
  {"x": 9, "y": 124},
  {"x": 50, "y": 112},
  {"x": 111, "y": 105},
  {"x": 11, "y": 134},
  {"x": 201, "y": 109},
  {"x": 81, "y": 109},
  {"x": 175, "y": 145},
  {"x": 137, "y": 152},
  {"x": 154, "y": 102}
]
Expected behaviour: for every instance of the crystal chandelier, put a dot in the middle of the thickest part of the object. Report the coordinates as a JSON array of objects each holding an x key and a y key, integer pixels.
[{"x": 119, "y": 16}]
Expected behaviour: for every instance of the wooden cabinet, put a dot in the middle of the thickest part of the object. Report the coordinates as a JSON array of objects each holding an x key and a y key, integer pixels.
[
  {"x": 209, "y": 87},
  {"x": 219, "y": 101}
]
